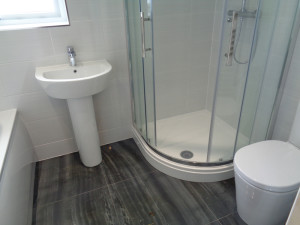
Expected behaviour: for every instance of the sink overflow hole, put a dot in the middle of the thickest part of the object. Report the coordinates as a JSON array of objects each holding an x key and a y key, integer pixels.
[{"x": 75, "y": 71}]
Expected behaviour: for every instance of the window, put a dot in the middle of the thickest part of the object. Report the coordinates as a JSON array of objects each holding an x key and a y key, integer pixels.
[{"x": 22, "y": 14}]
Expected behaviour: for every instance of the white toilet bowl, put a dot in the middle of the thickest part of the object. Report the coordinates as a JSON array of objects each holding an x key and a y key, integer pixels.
[{"x": 267, "y": 176}]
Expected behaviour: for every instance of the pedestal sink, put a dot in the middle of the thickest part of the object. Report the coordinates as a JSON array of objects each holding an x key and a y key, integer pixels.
[{"x": 77, "y": 84}]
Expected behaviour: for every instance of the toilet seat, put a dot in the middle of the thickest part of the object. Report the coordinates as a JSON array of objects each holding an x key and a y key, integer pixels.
[{"x": 269, "y": 165}]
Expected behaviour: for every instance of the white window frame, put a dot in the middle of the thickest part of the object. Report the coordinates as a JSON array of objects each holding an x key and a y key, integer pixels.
[{"x": 25, "y": 21}]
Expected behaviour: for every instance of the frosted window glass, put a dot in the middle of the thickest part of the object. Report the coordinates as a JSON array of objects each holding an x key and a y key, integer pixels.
[
  {"x": 20, "y": 14},
  {"x": 13, "y": 7}
]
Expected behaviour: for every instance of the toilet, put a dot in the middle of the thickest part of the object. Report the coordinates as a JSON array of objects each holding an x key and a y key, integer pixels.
[{"x": 267, "y": 177}]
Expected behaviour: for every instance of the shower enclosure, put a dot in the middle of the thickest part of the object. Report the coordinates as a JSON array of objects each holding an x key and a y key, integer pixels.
[{"x": 204, "y": 79}]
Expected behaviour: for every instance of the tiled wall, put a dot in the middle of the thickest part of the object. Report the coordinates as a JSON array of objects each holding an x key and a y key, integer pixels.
[
  {"x": 183, "y": 32},
  {"x": 231, "y": 79},
  {"x": 283, "y": 25},
  {"x": 183, "y": 63},
  {"x": 97, "y": 31},
  {"x": 214, "y": 56},
  {"x": 290, "y": 98},
  {"x": 271, "y": 44}
]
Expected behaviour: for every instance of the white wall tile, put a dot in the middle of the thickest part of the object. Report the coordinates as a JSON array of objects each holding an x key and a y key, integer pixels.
[
  {"x": 202, "y": 6},
  {"x": 18, "y": 78},
  {"x": 109, "y": 9},
  {"x": 108, "y": 117},
  {"x": 290, "y": 98},
  {"x": 56, "y": 149},
  {"x": 285, "y": 118},
  {"x": 38, "y": 105},
  {"x": 114, "y": 34},
  {"x": 183, "y": 41},
  {"x": 107, "y": 97},
  {"x": 171, "y": 7},
  {"x": 109, "y": 136},
  {"x": 96, "y": 31},
  {"x": 25, "y": 45},
  {"x": 119, "y": 61},
  {"x": 81, "y": 35},
  {"x": 79, "y": 10},
  {"x": 50, "y": 130}
]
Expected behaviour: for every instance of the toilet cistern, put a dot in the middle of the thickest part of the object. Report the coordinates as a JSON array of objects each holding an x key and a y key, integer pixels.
[{"x": 71, "y": 54}]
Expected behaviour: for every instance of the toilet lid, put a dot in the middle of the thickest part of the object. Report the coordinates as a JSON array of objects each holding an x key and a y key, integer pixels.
[{"x": 269, "y": 165}]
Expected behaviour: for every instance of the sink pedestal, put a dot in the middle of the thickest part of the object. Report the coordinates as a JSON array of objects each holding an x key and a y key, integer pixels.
[
  {"x": 85, "y": 130},
  {"x": 77, "y": 84}
]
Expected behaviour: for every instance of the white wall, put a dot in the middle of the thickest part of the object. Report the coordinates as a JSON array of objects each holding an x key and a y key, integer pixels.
[
  {"x": 183, "y": 35},
  {"x": 275, "y": 63},
  {"x": 97, "y": 31},
  {"x": 274, "y": 28},
  {"x": 290, "y": 98},
  {"x": 231, "y": 79},
  {"x": 214, "y": 55}
]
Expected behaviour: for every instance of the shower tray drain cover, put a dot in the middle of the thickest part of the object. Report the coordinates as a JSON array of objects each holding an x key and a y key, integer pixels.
[{"x": 186, "y": 154}]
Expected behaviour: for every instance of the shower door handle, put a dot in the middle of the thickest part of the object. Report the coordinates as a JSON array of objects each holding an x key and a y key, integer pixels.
[
  {"x": 143, "y": 19},
  {"x": 230, "y": 53}
]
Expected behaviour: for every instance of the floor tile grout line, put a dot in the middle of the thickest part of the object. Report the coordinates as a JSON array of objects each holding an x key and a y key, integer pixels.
[
  {"x": 134, "y": 177},
  {"x": 95, "y": 189},
  {"x": 111, "y": 197},
  {"x": 222, "y": 217},
  {"x": 217, "y": 219},
  {"x": 113, "y": 203},
  {"x": 155, "y": 203},
  {"x": 209, "y": 209},
  {"x": 214, "y": 222},
  {"x": 71, "y": 197},
  {"x": 85, "y": 192}
]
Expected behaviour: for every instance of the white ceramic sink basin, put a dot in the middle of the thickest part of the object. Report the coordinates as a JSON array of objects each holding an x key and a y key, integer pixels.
[
  {"x": 77, "y": 84},
  {"x": 65, "y": 81}
]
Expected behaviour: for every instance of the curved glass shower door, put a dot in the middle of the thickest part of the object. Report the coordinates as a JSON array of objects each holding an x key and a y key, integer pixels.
[
  {"x": 139, "y": 29},
  {"x": 232, "y": 76},
  {"x": 245, "y": 98},
  {"x": 136, "y": 66},
  {"x": 205, "y": 73},
  {"x": 186, "y": 37},
  {"x": 253, "y": 122}
]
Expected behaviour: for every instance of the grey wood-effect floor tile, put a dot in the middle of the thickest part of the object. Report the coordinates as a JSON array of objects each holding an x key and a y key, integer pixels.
[
  {"x": 136, "y": 193},
  {"x": 215, "y": 223},
  {"x": 219, "y": 196},
  {"x": 124, "y": 161},
  {"x": 66, "y": 176},
  {"x": 178, "y": 202},
  {"x": 90, "y": 208},
  {"x": 134, "y": 204},
  {"x": 232, "y": 219}
]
